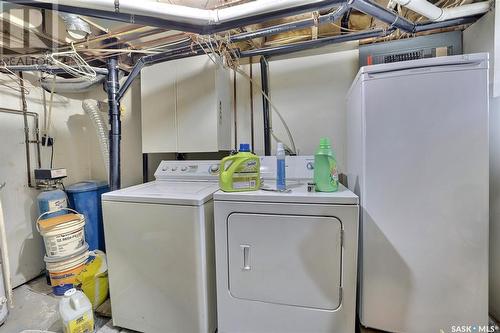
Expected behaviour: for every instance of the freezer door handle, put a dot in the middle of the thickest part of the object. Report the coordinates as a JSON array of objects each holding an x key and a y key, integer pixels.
[{"x": 245, "y": 250}]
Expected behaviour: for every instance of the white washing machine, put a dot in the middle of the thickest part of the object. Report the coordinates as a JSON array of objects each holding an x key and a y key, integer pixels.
[
  {"x": 286, "y": 262},
  {"x": 160, "y": 249}
]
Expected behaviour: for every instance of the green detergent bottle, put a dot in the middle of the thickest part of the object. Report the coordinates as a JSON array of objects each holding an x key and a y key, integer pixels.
[
  {"x": 240, "y": 172},
  {"x": 325, "y": 168}
]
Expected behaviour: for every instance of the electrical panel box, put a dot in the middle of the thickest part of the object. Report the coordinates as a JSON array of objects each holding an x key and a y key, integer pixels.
[
  {"x": 430, "y": 46},
  {"x": 186, "y": 106}
]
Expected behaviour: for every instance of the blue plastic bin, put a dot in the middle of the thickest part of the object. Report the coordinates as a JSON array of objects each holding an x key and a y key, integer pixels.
[{"x": 85, "y": 197}]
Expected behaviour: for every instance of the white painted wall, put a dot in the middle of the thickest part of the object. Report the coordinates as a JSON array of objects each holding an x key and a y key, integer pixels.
[
  {"x": 484, "y": 36},
  {"x": 309, "y": 90},
  {"x": 76, "y": 148}
]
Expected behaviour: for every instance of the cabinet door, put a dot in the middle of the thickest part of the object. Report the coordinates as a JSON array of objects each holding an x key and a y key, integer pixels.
[
  {"x": 285, "y": 259},
  {"x": 196, "y": 105},
  {"x": 159, "y": 130}
]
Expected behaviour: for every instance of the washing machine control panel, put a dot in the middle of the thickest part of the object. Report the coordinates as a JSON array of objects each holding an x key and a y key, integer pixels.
[{"x": 202, "y": 170}]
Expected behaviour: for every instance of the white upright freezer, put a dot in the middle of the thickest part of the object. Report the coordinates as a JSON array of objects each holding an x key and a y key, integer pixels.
[{"x": 418, "y": 159}]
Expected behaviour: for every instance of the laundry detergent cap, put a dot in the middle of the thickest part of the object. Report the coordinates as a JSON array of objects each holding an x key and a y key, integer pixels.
[{"x": 244, "y": 147}]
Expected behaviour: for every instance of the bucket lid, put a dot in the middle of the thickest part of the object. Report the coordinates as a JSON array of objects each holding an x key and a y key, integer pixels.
[
  {"x": 52, "y": 222},
  {"x": 86, "y": 186},
  {"x": 79, "y": 252}
]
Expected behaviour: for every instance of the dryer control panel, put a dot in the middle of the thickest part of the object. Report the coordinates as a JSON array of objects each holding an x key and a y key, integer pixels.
[{"x": 297, "y": 167}]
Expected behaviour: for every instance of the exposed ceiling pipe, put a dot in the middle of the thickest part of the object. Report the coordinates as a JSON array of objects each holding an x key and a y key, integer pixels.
[
  {"x": 203, "y": 21},
  {"x": 286, "y": 27},
  {"x": 446, "y": 24},
  {"x": 435, "y": 13},
  {"x": 315, "y": 43},
  {"x": 183, "y": 52},
  {"x": 50, "y": 69},
  {"x": 383, "y": 14}
]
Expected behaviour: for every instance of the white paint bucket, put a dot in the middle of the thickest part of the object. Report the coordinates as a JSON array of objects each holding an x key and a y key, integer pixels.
[
  {"x": 63, "y": 235},
  {"x": 64, "y": 271}
]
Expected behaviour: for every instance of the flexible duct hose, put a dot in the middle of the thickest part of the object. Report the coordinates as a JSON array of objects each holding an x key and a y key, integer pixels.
[
  {"x": 73, "y": 85},
  {"x": 91, "y": 108}
]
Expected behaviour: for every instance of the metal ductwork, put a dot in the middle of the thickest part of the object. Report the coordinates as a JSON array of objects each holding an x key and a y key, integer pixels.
[{"x": 75, "y": 26}]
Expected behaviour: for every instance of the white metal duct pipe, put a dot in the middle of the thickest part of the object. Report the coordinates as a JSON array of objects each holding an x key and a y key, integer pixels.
[
  {"x": 184, "y": 14},
  {"x": 435, "y": 13}
]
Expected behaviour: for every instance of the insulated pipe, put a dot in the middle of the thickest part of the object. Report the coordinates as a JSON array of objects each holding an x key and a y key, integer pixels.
[
  {"x": 74, "y": 85},
  {"x": 445, "y": 24},
  {"x": 112, "y": 85},
  {"x": 48, "y": 69},
  {"x": 277, "y": 29},
  {"x": 310, "y": 44},
  {"x": 374, "y": 9},
  {"x": 91, "y": 108},
  {"x": 435, "y": 13},
  {"x": 184, "y": 18},
  {"x": 264, "y": 77}
]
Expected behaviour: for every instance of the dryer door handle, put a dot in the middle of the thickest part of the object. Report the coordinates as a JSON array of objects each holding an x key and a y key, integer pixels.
[{"x": 245, "y": 249}]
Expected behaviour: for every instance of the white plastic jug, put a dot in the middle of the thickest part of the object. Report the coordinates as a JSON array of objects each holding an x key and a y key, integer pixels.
[{"x": 76, "y": 312}]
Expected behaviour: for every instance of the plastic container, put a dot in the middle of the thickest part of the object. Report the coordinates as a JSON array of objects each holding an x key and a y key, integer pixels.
[
  {"x": 93, "y": 280},
  {"x": 85, "y": 197},
  {"x": 280, "y": 167},
  {"x": 63, "y": 272},
  {"x": 240, "y": 172},
  {"x": 76, "y": 312},
  {"x": 51, "y": 200},
  {"x": 325, "y": 168},
  {"x": 63, "y": 235}
]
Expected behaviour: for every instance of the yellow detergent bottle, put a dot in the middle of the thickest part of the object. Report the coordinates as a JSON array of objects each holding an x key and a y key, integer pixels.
[{"x": 240, "y": 172}]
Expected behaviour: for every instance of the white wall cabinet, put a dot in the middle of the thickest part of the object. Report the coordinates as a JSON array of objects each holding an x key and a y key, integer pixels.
[{"x": 186, "y": 107}]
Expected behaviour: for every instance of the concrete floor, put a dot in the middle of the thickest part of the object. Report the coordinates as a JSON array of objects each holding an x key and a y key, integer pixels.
[{"x": 36, "y": 309}]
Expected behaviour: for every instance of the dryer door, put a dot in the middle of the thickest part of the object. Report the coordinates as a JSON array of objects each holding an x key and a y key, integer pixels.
[{"x": 285, "y": 259}]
